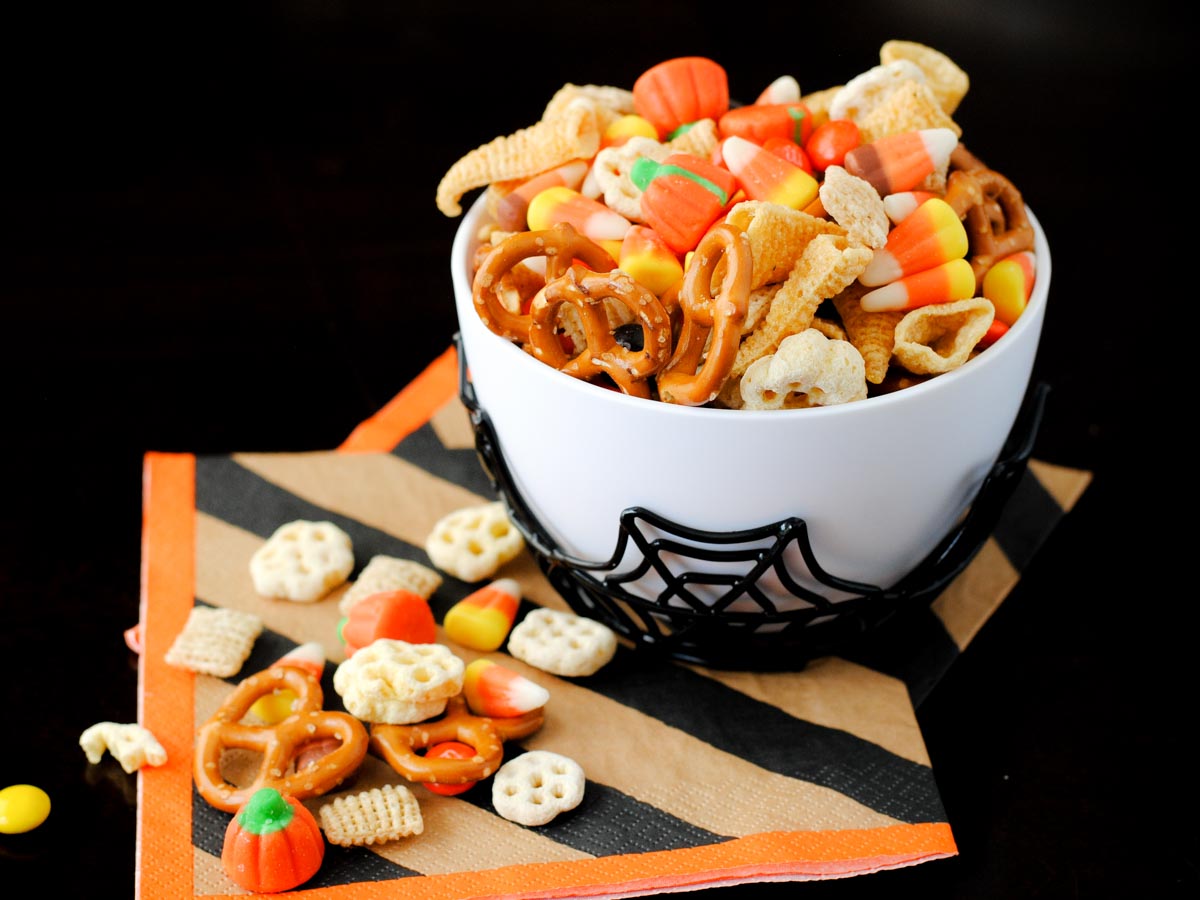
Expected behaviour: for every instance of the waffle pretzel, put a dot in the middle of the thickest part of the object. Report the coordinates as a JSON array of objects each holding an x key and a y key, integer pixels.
[
  {"x": 401, "y": 745},
  {"x": 279, "y": 744},
  {"x": 708, "y": 320},
  {"x": 560, "y": 245},
  {"x": 590, "y": 293},
  {"x": 994, "y": 214}
]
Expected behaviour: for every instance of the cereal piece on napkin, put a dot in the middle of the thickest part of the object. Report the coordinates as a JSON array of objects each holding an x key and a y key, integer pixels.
[
  {"x": 389, "y": 573},
  {"x": 473, "y": 542},
  {"x": 130, "y": 744},
  {"x": 376, "y": 816},
  {"x": 215, "y": 641},
  {"x": 562, "y": 643},
  {"x": 398, "y": 683},
  {"x": 302, "y": 561},
  {"x": 537, "y": 786}
]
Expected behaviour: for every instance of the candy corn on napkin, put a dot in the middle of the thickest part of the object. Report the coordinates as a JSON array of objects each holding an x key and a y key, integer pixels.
[{"x": 695, "y": 777}]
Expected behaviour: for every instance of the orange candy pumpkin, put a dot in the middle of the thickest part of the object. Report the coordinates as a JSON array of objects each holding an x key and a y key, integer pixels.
[
  {"x": 681, "y": 90},
  {"x": 273, "y": 843}
]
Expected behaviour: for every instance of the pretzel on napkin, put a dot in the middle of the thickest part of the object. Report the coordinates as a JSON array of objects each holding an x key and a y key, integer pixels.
[{"x": 279, "y": 744}]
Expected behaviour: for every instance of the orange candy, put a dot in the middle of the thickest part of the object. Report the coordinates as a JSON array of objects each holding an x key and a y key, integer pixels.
[
  {"x": 400, "y": 615},
  {"x": 1009, "y": 284},
  {"x": 680, "y": 91},
  {"x": 450, "y": 750},
  {"x": 759, "y": 121}
]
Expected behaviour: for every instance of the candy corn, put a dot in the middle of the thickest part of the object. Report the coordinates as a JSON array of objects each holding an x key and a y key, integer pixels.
[
  {"x": 784, "y": 89},
  {"x": 760, "y": 121},
  {"x": 682, "y": 196},
  {"x": 767, "y": 177},
  {"x": 954, "y": 280},
  {"x": 589, "y": 217},
  {"x": 903, "y": 204},
  {"x": 649, "y": 259},
  {"x": 929, "y": 237},
  {"x": 1009, "y": 283},
  {"x": 623, "y": 128},
  {"x": 483, "y": 619},
  {"x": 400, "y": 615},
  {"x": 495, "y": 690},
  {"x": 900, "y": 162},
  {"x": 278, "y": 705},
  {"x": 512, "y": 207}
]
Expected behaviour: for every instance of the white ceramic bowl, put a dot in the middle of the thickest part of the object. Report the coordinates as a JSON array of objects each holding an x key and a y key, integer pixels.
[{"x": 879, "y": 481}]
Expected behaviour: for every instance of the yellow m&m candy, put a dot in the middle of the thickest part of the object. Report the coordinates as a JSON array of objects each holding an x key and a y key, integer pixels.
[{"x": 23, "y": 807}]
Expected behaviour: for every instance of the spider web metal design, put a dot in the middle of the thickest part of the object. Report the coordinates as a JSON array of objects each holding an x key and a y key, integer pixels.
[{"x": 727, "y": 619}]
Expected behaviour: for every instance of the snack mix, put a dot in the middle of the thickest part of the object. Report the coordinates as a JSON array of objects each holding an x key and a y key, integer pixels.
[{"x": 668, "y": 243}]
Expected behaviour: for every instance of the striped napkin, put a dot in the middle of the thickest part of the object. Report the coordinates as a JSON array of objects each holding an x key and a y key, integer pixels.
[{"x": 696, "y": 777}]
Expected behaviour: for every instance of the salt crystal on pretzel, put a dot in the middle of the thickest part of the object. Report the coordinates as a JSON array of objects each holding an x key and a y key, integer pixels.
[
  {"x": 807, "y": 370},
  {"x": 130, "y": 744},
  {"x": 938, "y": 338},
  {"x": 862, "y": 93},
  {"x": 611, "y": 102},
  {"x": 778, "y": 236},
  {"x": 948, "y": 82},
  {"x": 375, "y": 816},
  {"x": 390, "y": 573},
  {"x": 872, "y": 333},
  {"x": 395, "y": 682},
  {"x": 828, "y": 264},
  {"x": 573, "y": 134},
  {"x": 856, "y": 206},
  {"x": 912, "y": 106}
]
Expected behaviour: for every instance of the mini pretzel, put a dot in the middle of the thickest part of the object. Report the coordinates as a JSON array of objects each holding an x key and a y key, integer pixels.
[
  {"x": 588, "y": 293},
  {"x": 400, "y": 745},
  {"x": 994, "y": 214},
  {"x": 685, "y": 381},
  {"x": 279, "y": 744},
  {"x": 560, "y": 245}
]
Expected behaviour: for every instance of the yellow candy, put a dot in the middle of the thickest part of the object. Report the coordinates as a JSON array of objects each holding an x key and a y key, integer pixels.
[
  {"x": 23, "y": 807},
  {"x": 482, "y": 620},
  {"x": 625, "y": 127},
  {"x": 274, "y": 707},
  {"x": 646, "y": 257},
  {"x": 1008, "y": 284}
]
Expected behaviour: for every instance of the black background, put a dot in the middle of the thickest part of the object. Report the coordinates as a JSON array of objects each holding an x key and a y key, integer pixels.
[{"x": 219, "y": 234}]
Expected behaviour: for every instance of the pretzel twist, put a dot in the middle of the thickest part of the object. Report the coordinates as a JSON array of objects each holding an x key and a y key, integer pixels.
[
  {"x": 401, "y": 745},
  {"x": 279, "y": 744},
  {"x": 715, "y": 322},
  {"x": 560, "y": 245},
  {"x": 994, "y": 214},
  {"x": 590, "y": 293}
]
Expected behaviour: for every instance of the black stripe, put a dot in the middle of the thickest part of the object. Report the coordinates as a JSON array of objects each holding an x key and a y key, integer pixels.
[
  {"x": 770, "y": 738},
  {"x": 607, "y": 822},
  {"x": 238, "y": 496},
  {"x": 1027, "y": 520},
  {"x": 341, "y": 865},
  {"x": 424, "y": 449}
]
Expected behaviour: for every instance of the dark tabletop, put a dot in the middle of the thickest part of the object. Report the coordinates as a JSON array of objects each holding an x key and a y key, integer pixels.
[{"x": 220, "y": 235}]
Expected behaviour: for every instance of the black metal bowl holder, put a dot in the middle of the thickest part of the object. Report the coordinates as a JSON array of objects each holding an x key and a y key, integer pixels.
[{"x": 679, "y": 624}]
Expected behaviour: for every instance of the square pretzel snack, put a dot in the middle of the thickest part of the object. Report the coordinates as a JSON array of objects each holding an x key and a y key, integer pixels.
[
  {"x": 376, "y": 816},
  {"x": 215, "y": 641}
]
